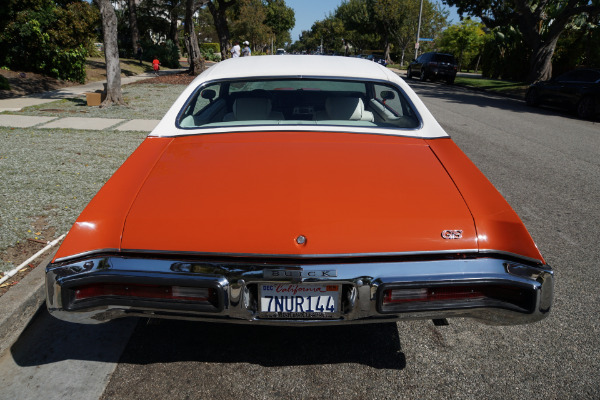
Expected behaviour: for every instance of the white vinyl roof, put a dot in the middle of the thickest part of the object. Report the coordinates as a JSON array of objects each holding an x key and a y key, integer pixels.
[{"x": 300, "y": 66}]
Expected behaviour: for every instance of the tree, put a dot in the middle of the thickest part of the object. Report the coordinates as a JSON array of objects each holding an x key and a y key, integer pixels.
[
  {"x": 249, "y": 23},
  {"x": 433, "y": 20},
  {"x": 541, "y": 23},
  {"x": 195, "y": 57},
  {"x": 329, "y": 32},
  {"x": 387, "y": 16},
  {"x": 280, "y": 18},
  {"x": 464, "y": 40},
  {"x": 111, "y": 54},
  {"x": 218, "y": 9},
  {"x": 358, "y": 26},
  {"x": 133, "y": 26}
]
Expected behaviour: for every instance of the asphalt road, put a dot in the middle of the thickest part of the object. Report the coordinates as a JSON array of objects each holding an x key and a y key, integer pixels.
[{"x": 544, "y": 162}]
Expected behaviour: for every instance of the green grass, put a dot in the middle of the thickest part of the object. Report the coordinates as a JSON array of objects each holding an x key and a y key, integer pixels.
[{"x": 494, "y": 85}]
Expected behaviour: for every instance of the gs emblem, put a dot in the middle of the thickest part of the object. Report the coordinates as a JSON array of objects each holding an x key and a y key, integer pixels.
[{"x": 452, "y": 234}]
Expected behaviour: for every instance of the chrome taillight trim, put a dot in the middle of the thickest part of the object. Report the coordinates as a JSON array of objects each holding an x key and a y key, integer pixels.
[{"x": 236, "y": 282}]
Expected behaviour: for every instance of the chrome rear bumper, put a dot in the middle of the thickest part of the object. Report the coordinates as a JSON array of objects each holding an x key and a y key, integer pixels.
[{"x": 519, "y": 292}]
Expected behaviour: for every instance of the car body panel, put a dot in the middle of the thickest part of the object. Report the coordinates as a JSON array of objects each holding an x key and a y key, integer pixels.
[
  {"x": 394, "y": 221},
  {"x": 100, "y": 225},
  {"x": 255, "y": 193},
  {"x": 498, "y": 227}
]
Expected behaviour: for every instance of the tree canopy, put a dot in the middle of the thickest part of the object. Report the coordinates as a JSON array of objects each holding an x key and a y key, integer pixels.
[{"x": 541, "y": 24}]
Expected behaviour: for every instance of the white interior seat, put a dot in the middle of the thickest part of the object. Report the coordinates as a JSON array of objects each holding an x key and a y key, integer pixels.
[{"x": 347, "y": 108}]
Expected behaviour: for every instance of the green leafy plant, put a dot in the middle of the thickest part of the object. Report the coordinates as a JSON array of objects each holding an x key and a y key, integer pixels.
[
  {"x": 4, "y": 83},
  {"x": 167, "y": 53}
]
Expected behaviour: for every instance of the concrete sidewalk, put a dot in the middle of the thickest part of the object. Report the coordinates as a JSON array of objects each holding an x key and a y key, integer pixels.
[
  {"x": 18, "y": 103},
  {"x": 21, "y": 121}
]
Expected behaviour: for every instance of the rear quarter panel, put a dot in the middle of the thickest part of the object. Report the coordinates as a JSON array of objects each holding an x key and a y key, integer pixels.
[
  {"x": 100, "y": 225},
  {"x": 498, "y": 226}
]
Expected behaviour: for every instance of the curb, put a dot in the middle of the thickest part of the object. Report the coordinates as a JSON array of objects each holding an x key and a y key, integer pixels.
[
  {"x": 21, "y": 303},
  {"x": 402, "y": 74}
]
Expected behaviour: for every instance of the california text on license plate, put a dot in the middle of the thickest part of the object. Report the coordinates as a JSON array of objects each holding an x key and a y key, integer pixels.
[{"x": 304, "y": 301}]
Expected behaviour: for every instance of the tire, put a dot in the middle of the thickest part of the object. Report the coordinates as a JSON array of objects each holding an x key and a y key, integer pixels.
[
  {"x": 423, "y": 76},
  {"x": 450, "y": 80},
  {"x": 408, "y": 73},
  {"x": 586, "y": 107},
  {"x": 532, "y": 98}
]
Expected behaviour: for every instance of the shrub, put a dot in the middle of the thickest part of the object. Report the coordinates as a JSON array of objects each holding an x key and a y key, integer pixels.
[
  {"x": 68, "y": 64},
  {"x": 167, "y": 53},
  {"x": 4, "y": 83},
  {"x": 210, "y": 47}
]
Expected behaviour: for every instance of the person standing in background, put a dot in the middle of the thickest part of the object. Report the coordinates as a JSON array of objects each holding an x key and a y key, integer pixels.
[
  {"x": 235, "y": 50},
  {"x": 246, "y": 52}
]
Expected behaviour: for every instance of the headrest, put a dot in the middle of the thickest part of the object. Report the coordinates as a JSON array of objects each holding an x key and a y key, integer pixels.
[
  {"x": 344, "y": 108},
  {"x": 251, "y": 108}
]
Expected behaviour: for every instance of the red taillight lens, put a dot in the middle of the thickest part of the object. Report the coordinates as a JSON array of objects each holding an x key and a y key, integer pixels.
[
  {"x": 396, "y": 296},
  {"x": 405, "y": 299},
  {"x": 144, "y": 291}
]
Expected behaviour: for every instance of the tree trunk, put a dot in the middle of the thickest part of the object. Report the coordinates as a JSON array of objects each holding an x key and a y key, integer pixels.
[
  {"x": 220, "y": 20},
  {"x": 133, "y": 27},
  {"x": 195, "y": 58},
  {"x": 111, "y": 54},
  {"x": 386, "y": 51},
  {"x": 540, "y": 65},
  {"x": 173, "y": 31}
]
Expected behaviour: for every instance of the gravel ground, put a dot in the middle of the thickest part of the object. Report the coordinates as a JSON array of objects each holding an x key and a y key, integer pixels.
[
  {"x": 48, "y": 176},
  {"x": 145, "y": 101}
]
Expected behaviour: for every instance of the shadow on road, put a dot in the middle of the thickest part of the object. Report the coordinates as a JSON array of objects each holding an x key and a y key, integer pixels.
[
  {"x": 167, "y": 341},
  {"x": 467, "y": 96},
  {"x": 48, "y": 340}
]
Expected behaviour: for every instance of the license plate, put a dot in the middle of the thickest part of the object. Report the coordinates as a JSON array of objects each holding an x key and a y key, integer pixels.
[{"x": 299, "y": 301}]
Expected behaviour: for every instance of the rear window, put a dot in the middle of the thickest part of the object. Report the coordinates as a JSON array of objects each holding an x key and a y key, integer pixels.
[
  {"x": 445, "y": 58},
  {"x": 297, "y": 101}
]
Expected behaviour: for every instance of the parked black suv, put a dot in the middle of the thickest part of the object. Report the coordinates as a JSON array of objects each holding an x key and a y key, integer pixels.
[{"x": 433, "y": 66}]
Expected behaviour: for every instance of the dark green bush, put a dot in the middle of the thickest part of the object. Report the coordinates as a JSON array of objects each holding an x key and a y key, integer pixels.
[
  {"x": 167, "y": 53},
  {"x": 4, "y": 83}
]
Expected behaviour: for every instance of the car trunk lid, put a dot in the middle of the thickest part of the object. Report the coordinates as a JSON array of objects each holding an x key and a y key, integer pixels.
[{"x": 257, "y": 193}]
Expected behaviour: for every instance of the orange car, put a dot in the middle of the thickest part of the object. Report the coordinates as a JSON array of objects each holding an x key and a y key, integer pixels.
[{"x": 299, "y": 190}]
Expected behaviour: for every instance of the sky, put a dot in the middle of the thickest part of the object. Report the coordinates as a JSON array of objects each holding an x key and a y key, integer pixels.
[{"x": 309, "y": 11}]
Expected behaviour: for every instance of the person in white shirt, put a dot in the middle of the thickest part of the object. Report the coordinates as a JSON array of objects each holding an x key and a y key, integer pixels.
[
  {"x": 246, "y": 52},
  {"x": 235, "y": 50}
]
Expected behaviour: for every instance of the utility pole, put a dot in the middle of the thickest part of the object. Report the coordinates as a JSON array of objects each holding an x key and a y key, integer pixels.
[{"x": 418, "y": 31}]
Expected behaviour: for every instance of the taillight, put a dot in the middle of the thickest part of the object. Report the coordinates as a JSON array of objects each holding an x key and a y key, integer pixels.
[
  {"x": 440, "y": 297},
  {"x": 431, "y": 294},
  {"x": 152, "y": 292},
  {"x": 433, "y": 63}
]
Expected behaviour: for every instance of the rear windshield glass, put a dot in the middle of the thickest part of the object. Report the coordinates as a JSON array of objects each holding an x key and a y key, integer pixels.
[
  {"x": 445, "y": 58},
  {"x": 298, "y": 102}
]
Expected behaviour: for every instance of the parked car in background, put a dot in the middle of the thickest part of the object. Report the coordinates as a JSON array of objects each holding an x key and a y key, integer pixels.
[
  {"x": 280, "y": 52},
  {"x": 433, "y": 66},
  {"x": 302, "y": 191},
  {"x": 577, "y": 90},
  {"x": 376, "y": 58}
]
